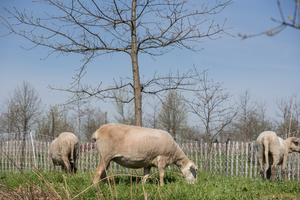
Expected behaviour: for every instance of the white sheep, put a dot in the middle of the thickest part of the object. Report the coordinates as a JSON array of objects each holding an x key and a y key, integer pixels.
[
  {"x": 63, "y": 149},
  {"x": 138, "y": 147},
  {"x": 273, "y": 151}
]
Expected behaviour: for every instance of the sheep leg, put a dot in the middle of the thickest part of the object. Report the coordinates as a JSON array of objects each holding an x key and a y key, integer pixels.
[
  {"x": 283, "y": 166},
  {"x": 274, "y": 160},
  {"x": 101, "y": 171},
  {"x": 146, "y": 173},
  {"x": 266, "y": 144},
  {"x": 161, "y": 169},
  {"x": 75, "y": 158},
  {"x": 67, "y": 166},
  {"x": 261, "y": 169},
  {"x": 269, "y": 173},
  {"x": 52, "y": 164},
  {"x": 273, "y": 172}
]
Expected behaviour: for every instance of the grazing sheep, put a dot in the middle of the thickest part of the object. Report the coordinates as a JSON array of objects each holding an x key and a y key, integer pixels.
[
  {"x": 139, "y": 147},
  {"x": 63, "y": 149},
  {"x": 273, "y": 151}
]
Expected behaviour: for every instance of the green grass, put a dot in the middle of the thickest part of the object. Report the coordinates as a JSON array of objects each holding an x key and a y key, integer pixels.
[{"x": 208, "y": 186}]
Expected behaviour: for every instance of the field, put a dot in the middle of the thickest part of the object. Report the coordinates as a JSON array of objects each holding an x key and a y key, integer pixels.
[{"x": 56, "y": 185}]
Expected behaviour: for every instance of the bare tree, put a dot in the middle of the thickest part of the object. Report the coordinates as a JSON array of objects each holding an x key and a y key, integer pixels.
[
  {"x": 173, "y": 114},
  {"x": 125, "y": 112},
  {"x": 93, "y": 120},
  {"x": 151, "y": 116},
  {"x": 23, "y": 106},
  {"x": 51, "y": 129},
  {"x": 80, "y": 106},
  {"x": 292, "y": 20},
  {"x": 264, "y": 122},
  {"x": 212, "y": 108},
  {"x": 152, "y": 27},
  {"x": 252, "y": 118},
  {"x": 285, "y": 108},
  {"x": 8, "y": 119},
  {"x": 62, "y": 122},
  {"x": 247, "y": 114},
  {"x": 297, "y": 118}
]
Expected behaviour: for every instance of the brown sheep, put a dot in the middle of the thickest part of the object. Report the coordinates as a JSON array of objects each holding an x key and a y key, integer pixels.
[{"x": 274, "y": 151}]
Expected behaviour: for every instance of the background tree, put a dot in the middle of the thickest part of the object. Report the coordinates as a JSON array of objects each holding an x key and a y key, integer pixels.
[
  {"x": 62, "y": 122},
  {"x": 284, "y": 105},
  {"x": 173, "y": 114},
  {"x": 131, "y": 27},
  {"x": 263, "y": 120},
  {"x": 125, "y": 111},
  {"x": 190, "y": 132},
  {"x": 21, "y": 110},
  {"x": 92, "y": 121},
  {"x": 247, "y": 115},
  {"x": 80, "y": 106},
  {"x": 296, "y": 118},
  {"x": 8, "y": 117},
  {"x": 212, "y": 108},
  {"x": 151, "y": 116}
]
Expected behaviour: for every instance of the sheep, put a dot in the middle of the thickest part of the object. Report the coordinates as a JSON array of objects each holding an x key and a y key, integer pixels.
[
  {"x": 63, "y": 149},
  {"x": 139, "y": 147},
  {"x": 273, "y": 151}
]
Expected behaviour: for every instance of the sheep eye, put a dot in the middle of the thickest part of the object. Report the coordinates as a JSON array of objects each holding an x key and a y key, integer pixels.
[{"x": 296, "y": 143}]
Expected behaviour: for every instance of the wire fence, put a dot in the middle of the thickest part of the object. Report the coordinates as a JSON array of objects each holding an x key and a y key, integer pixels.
[{"x": 231, "y": 158}]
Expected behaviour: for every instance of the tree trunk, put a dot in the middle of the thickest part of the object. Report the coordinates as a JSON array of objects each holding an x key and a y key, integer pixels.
[
  {"x": 51, "y": 131},
  {"x": 135, "y": 69},
  {"x": 105, "y": 117}
]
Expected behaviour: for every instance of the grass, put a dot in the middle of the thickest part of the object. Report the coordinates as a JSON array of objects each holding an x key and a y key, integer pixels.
[{"x": 55, "y": 185}]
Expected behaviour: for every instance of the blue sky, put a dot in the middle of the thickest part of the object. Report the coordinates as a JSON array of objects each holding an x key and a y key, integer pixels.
[{"x": 268, "y": 66}]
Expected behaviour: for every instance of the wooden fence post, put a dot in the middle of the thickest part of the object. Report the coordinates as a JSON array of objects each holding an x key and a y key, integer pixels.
[
  {"x": 232, "y": 157},
  {"x": 82, "y": 156},
  {"x": 215, "y": 158},
  {"x": 48, "y": 156},
  {"x": 227, "y": 155},
  {"x": 242, "y": 159},
  {"x": 7, "y": 153},
  {"x": 196, "y": 152},
  {"x": 251, "y": 159},
  {"x": 289, "y": 167},
  {"x": 298, "y": 177},
  {"x": 87, "y": 156},
  {"x": 201, "y": 154},
  {"x": 220, "y": 156},
  {"x": 2, "y": 155},
  {"x": 293, "y": 166},
  {"x": 246, "y": 160},
  {"x": 255, "y": 164},
  {"x": 191, "y": 151},
  {"x": 205, "y": 159},
  {"x": 237, "y": 159}
]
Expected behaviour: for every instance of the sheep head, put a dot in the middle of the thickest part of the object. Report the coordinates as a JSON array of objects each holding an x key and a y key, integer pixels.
[
  {"x": 190, "y": 172},
  {"x": 293, "y": 144}
]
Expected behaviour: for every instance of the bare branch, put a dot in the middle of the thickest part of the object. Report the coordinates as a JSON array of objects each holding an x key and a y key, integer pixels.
[{"x": 283, "y": 23}]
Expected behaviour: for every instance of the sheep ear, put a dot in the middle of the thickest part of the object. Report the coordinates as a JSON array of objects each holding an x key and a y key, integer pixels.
[
  {"x": 192, "y": 168},
  {"x": 295, "y": 141}
]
